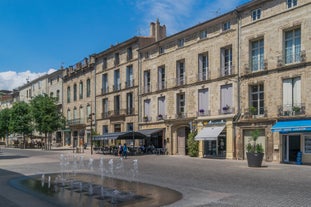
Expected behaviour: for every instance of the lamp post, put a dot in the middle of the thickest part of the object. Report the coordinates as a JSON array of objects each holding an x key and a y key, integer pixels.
[{"x": 91, "y": 119}]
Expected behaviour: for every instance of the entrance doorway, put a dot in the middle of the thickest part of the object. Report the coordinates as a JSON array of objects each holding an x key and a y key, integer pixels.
[
  {"x": 182, "y": 135},
  {"x": 291, "y": 146}
]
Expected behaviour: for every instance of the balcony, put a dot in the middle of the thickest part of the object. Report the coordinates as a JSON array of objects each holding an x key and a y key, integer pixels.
[
  {"x": 130, "y": 111},
  {"x": 253, "y": 112},
  {"x": 292, "y": 110},
  {"x": 105, "y": 90},
  {"x": 129, "y": 84},
  {"x": 117, "y": 87},
  {"x": 203, "y": 112},
  {"x": 180, "y": 81},
  {"x": 226, "y": 70},
  {"x": 181, "y": 115},
  {"x": 226, "y": 110},
  {"x": 147, "y": 88},
  {"x": 162, "y": 85},
  {"x": 161, "y": 117},
  {"x": 202, "y": 76},
  {"x": 106, "y": 114},
  {"x": 73, "y": 122}
]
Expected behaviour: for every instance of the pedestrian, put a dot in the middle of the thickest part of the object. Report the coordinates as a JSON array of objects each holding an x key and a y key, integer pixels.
[
  {"x": 120, "y": 150},
  {"x": 124, "y": 151}
]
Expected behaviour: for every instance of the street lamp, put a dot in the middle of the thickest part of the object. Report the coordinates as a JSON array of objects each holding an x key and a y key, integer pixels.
[{"x": 91, "y": 119}]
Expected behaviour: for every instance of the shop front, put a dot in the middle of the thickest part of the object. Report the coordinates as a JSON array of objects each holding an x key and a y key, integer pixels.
[{"x": 295, "y": 137}]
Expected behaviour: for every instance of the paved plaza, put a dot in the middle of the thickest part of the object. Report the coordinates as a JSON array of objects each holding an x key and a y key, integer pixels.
[{"x": 203, "y": 182}]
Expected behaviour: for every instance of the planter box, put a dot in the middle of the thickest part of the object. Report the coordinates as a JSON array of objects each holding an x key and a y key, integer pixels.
[{"x": 254, "y": 159}]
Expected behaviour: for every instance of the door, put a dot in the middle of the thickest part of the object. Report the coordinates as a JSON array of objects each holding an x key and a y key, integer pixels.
[{"x": 291, "y": 146}]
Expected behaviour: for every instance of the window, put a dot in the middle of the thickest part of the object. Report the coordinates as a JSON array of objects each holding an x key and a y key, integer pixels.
[
  {"x": 104, "y": 63},
  {"x": 180, "y": 42},
  {"x": 117, "y": 84},
  {"x": 180, "y": 105},
  {"x": 117, "y": 128},
  {"x": 81, "y": 114},
  {"x": 203, "y": 67},
  {"x": 129, "y": 53},
  {"x": 161, "y": 50},
  {"x": 226, "y": 105},
  {"x": 147, "y": 55},
  {"x": 129, "y": 76},
  {"x": 116, "y": 59},
  {"x": 57, "y": 95},
  {"x": 117, "y": 105},
  {"x": 226, "y": 61},
  {"x": 161, "y": 78},
  {"x": 203, "y": 102},
  {"x": 147, "y": 110},
  {"x": 291, "y": 3},
  {"x": 291, "y": 94},
  {"x": 129, "y": 127},
  {"x": 105, "y": 129},
  {"x": 88, "y": 110},
  {"x": 226, "y": 26},
  {"x": 180, "y": 73},
  {"x": 257, "y": 53},
  {"x": 161, "y": 108},
  {"x": 203, "y": 34},
  {"x": 129, "y": 104},
  {"x": 256, "y": 14},
  {"x": 74, "y": 92},
  {"x": 51, "y": 94},
  {"x": 68, "y": 114},
  {"x": 68, "y": 94},
  {"x": 257, "y": 99},
  {"x": 75, "y": 113},
  {"x": 105, "y": 83},
  {"x": 88, "y": 88},
  {"x": 307, "y": 144},
  {"x": 147, "y": 87},
  {"x": 81, "y": 90},
  {"x": 105, "y": 108},
  {"x": 292, "y": 46}
]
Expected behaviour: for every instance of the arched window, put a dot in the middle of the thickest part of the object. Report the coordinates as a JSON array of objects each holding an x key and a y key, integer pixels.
[
  {"x": 88, "y": 88},
  {"x": 74, "y": 92},
  {"x": 68, "y": 94},
  {"x": 81, "y": 90}
]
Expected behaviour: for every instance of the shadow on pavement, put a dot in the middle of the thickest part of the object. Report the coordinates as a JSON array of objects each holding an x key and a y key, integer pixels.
[{"x": 6, "y": 157}]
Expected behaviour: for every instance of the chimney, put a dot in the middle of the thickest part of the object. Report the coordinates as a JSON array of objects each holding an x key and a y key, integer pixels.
[{"x": 157, "y": 31}]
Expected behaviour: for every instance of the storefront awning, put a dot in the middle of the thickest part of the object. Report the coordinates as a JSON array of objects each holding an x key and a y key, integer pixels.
[
  {"x": 107, "y": 136},
  {"x": 131, "y": 135},
  {"x": 150, "y": 132},
  {"x": 292, "y": 126},
  {"x": 209, "y": 133}
]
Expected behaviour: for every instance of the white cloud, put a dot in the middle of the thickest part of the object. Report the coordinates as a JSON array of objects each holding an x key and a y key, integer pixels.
[
  {"x": 10, "y": 80},
  {"x": 183, "y": 14}
]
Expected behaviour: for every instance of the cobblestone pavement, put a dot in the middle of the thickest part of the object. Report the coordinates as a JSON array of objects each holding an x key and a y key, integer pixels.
[{"x": 203, "y": 182}]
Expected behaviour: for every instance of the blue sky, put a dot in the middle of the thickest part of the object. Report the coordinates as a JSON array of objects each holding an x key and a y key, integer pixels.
[{"x": 38, "y": 36}]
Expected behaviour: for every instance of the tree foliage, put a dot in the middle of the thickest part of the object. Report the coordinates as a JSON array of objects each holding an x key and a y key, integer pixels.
[
  {"x": 47, "y": 117},
  {"x": 193, "y": 145},
  {"x": 4, "y": 122},
  {"x": 21, "y": 120}
]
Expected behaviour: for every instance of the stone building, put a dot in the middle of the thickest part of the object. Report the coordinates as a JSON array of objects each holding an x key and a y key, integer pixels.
[
  {"x": 275, "y": 74},
  {"x": 242, "y": 71},
  {"x": 117, "y": 85},
  {"x": 79, "y": 102}
]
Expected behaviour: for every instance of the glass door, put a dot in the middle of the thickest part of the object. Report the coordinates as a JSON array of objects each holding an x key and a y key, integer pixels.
[{"x": 291, "y": 146}]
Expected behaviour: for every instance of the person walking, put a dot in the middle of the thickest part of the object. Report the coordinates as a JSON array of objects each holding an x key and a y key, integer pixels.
[
  {"x": 124, "y": 151},
  {"x": 120, "y": 150}
]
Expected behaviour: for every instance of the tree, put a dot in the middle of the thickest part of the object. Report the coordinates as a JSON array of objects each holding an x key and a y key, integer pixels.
[
  {"x": 4, "y": 123},
  {"x": 193, "y": 145},
  {"x": 47, "y": 116},
  {"x": 21, "y": 120}
]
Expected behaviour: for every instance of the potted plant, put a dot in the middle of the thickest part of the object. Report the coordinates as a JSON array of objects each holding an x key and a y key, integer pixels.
[
  {"x": 253, "y": 111},
  {"x": 160, "y": 117},
  {"x": 296, "y": 109},
  {"x": 226, "y": 107},
  {"x": 145, "y": 118},
  {"x": 254, "y": 151},
  {"x": 201, "y": 111}
]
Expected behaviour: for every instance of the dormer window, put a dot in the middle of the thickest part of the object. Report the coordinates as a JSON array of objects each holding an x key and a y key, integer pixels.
[
  {"x": 203, "y": 34},
  {"x": 161, "y": 50},
  {"x": 256, "y": 14},
  {"x": 181, "y": 42},
  {"x": 291, "y": 3},
  {"x": 226, "y": 26}
]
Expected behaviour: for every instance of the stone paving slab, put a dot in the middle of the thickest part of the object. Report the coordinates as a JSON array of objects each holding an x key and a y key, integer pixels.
[{"x": 203, "y": 182}]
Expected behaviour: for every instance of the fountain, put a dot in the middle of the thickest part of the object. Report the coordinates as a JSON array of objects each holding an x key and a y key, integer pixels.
[{"x": 112, "y": 182}]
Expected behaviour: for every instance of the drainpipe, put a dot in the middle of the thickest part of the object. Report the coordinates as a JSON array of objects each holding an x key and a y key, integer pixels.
[{"x": 139, "y": 88}]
